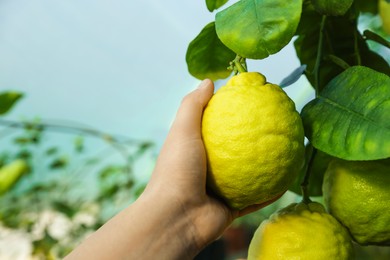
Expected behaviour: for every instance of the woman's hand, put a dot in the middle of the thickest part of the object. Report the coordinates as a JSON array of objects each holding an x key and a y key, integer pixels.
[{"x": 175, "y": 217}]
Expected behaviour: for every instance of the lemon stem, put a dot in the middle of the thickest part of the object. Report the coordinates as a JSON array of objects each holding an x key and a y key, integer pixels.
[
  {"x": 356, "y": 48},
  {"x": 239, "y": 64},
  {"x": 319, "y": 56},
  {"x": 316, "y": 72},
  {"x": 305, "y": 182}
]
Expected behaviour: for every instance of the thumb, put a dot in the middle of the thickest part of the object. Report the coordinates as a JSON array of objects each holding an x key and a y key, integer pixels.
[{"x": 189, "y": 116}]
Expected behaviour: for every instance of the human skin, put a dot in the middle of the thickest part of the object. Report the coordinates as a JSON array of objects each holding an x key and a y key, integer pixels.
[{"x": 175, "y": 217}]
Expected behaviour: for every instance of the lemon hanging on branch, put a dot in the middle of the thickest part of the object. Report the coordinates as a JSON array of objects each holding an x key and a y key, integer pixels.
[
  {"x": 254, "y": 141},
  {"x": 357, "y": 194},
  {"x": 301, "y": 231}
]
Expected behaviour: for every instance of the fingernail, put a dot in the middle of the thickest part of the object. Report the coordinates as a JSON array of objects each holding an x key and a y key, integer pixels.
[{"x": 204, "y": 83}]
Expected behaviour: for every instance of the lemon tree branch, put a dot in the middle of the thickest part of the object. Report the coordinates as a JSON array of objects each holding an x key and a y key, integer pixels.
[{"x": 319, "y": 56}]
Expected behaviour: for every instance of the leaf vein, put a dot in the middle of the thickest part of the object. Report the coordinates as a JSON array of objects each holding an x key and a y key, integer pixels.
[{"x": 353, "y": 112}]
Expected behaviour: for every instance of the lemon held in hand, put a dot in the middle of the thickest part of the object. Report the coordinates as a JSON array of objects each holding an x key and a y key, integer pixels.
[
  {"x": 254, "y": 141},
  {"x": 357, "y": 194},
  {"x": 301, "y": 231}
]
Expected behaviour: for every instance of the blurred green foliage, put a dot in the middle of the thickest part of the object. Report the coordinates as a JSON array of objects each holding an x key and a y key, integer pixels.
[{"x": 75, "y": 183}]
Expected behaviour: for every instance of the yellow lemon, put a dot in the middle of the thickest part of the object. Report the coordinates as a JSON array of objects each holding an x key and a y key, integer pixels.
[
  {"x": 384, "y": 13},
  {"x": 254, "y": 141},
  {"x": 357, "y": 194},
  {"x": 301, "y": 231}
]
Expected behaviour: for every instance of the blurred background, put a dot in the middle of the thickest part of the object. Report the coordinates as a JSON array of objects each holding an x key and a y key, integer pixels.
[{"x": 96, "y": 85}]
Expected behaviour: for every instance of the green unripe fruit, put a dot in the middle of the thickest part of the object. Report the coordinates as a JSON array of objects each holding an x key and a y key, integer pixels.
[
  {"x": 384, "y": 13},
  {"x": 332, "y": 7},
  {"x": 357, "y": 194}
]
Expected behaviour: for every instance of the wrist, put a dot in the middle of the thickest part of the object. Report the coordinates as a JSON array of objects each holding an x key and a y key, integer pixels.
[{"x": 170, "y": 227}]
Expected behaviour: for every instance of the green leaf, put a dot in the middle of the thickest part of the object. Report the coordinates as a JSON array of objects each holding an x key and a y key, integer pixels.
[
  {"x": 108, "y": 191},
  {"x": 51, "y": 151},
  {"x": 256, "y": 29},
  {"x": 317, "y": 170},
  {"x": 22, "y": 140},
  {"x": 79, "y": 144},
  {"x": 141, "y": 150},
  {"x": 350, "y": 119},
  {"x": 64, "y": 208},
  {"x": 310, "y": 19},
  {"x": 374, "y": 61},
  {"x": 8, "y": 100},
  {"x": 43, "y": 246},
  {"x": 110, "y": 171},
  {"x": 59, "y": 163},
  {"x": 24, "y": 154},
  {"x": 4, "y": 157},
  {"x": 139, "y": 190},
  {"x": 215, "y": 4},
  {"x": 341, "y": 40},
  {"x": 376, "y": 38},
  {"x": 293, "y": 77},
  {"x": 207, "y": 57},
  {"x": 332, "y": 7},
  {"x": 367, "y": 6}
]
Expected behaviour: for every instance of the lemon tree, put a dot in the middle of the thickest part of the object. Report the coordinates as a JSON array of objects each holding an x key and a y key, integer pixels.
[{"x": 345, "y": 59}]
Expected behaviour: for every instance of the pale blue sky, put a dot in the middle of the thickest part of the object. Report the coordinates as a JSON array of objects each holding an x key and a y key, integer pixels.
[{"x": 116, "y": 65}]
